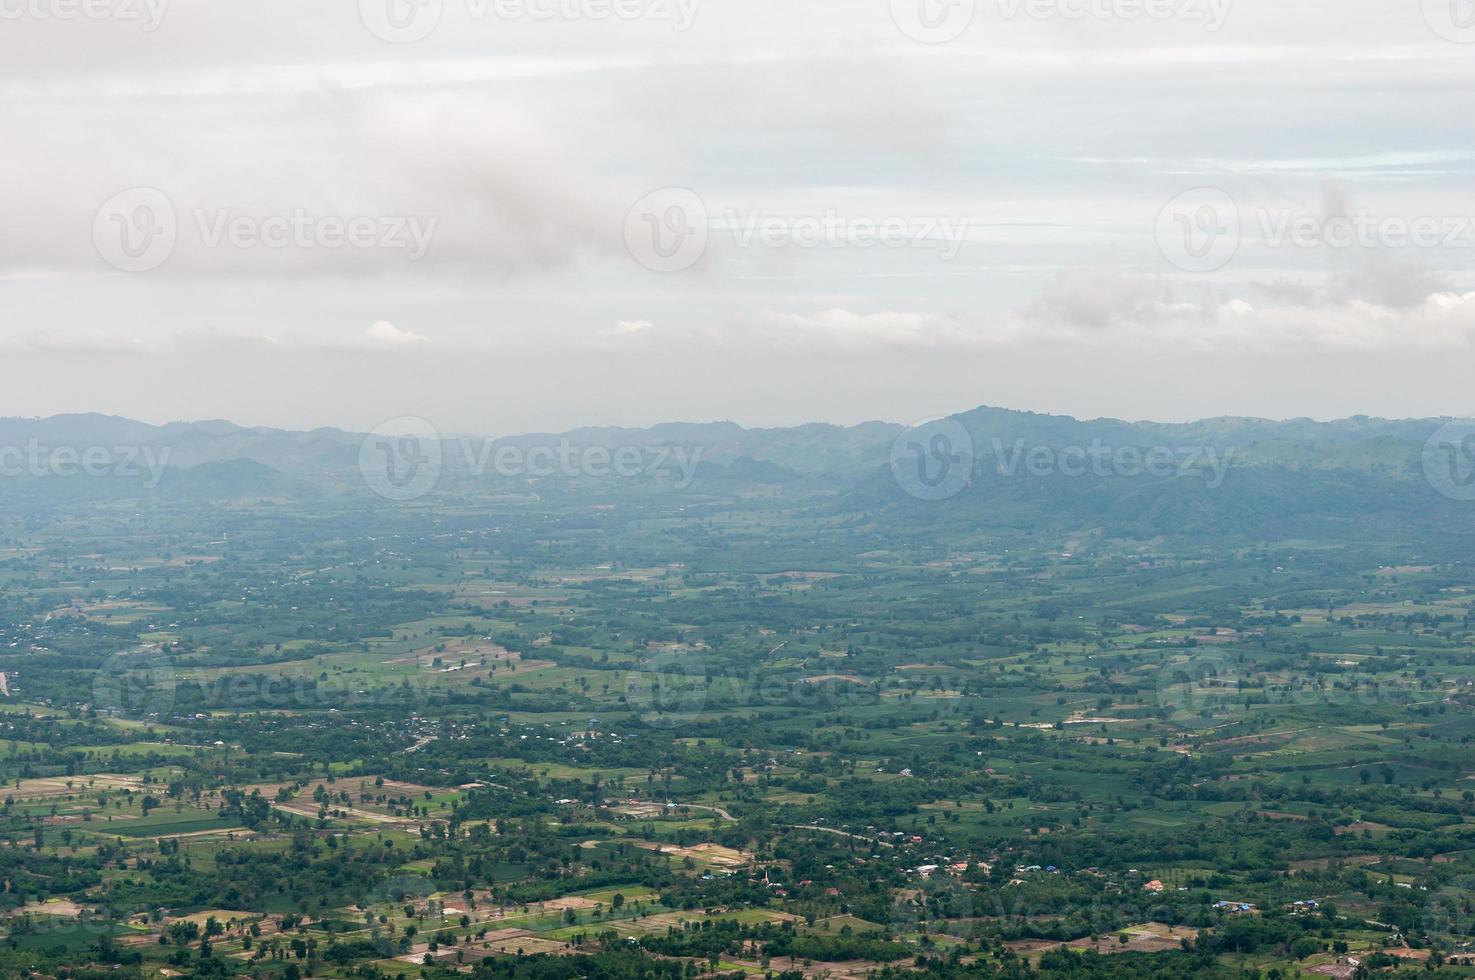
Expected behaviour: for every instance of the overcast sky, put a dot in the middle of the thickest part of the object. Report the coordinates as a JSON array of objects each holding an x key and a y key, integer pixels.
[{"x": 512, "y": 215}]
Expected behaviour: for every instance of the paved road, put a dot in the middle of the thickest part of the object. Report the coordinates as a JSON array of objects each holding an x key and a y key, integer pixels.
[{"x": 838, "y": 833}]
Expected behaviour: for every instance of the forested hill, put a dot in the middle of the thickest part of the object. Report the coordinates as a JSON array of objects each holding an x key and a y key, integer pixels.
[{"x": 1245, "y": 477}]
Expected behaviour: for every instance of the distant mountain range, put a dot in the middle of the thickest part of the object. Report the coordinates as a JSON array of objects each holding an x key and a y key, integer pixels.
[{"x": 1025, "y": 470}]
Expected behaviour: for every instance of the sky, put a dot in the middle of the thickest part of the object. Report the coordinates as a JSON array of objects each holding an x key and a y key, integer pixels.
[{"x": 530, "y": 215}]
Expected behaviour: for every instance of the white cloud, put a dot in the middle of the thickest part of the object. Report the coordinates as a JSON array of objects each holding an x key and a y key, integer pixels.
[
  {"x": 526, "y": 145},
  {"x": 386, "y": 335},
  {"x": 628, "y": 328},
  {"x": 1098, "y": 311}
]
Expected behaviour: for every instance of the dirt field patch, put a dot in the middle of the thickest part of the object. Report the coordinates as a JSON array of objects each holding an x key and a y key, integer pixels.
[
  {"x": 60, "y": 907},
  {"x": 711, "y": 853},
  {"x": 572, "y": 902}
]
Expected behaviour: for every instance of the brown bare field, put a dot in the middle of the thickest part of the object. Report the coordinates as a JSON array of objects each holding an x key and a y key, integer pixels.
[
  {"x": 528, "y": 944},
  {"x": 502, "y": 935},
  {"x": 639, "y": 810},
  {"x": 222, "y": 916},
  {"x": 712, "y": 853},
  {"x": 1152, "y": 937},
  {"x": 42, "y": 789},
  {"x": 472, "y": 651},
  {"x": 61, "y": 907},
  {"x": 571, "y": 902},
  {"x": 303, "y": 804}
]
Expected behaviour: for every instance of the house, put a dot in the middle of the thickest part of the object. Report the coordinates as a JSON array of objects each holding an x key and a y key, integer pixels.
[
  {"x": 1154, "y": 886},
  {"x": 1242, "y": 908}
]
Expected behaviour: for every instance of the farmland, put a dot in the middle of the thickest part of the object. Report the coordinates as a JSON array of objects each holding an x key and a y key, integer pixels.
[{"x": 628, "y": 732}]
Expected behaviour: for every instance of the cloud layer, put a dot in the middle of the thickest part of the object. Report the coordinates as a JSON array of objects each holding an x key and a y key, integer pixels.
[{"x": 202, "y": 179}]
